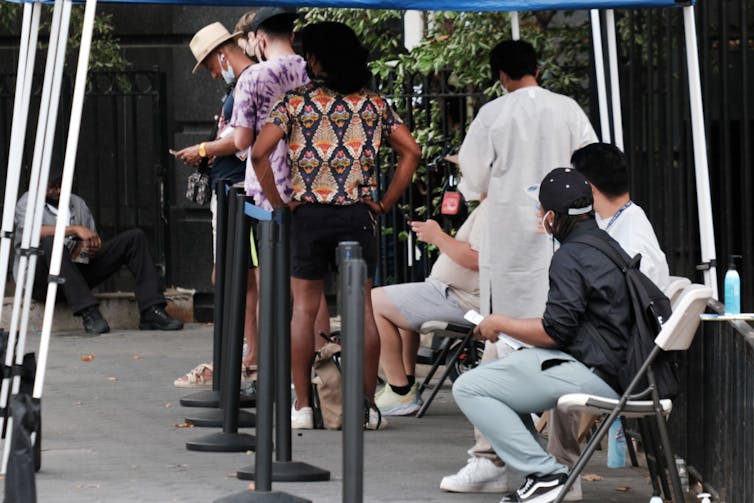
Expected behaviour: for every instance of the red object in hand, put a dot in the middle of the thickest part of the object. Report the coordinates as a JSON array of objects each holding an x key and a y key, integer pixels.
[{"x": 451, "y": 203}]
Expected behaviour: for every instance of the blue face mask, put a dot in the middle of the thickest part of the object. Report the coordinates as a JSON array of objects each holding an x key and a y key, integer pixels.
[{"x": 228, "y": 74}]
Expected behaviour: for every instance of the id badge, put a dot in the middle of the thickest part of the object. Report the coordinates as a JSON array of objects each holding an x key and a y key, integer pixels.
[{"x": 451, "y": 203}]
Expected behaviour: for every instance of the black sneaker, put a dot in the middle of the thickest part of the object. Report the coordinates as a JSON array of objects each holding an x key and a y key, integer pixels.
[
  {"x": 93, "y": 321},
  {"x": 155, "y": 318},
  {"x": 542, "y": 489}
]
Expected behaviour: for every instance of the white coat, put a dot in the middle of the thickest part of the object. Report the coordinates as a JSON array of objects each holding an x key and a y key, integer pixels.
[{"x": 512, "y": 143}]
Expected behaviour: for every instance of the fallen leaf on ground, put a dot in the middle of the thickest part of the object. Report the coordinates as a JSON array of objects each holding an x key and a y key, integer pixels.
[
  {"x": 87, "y": 358},
  {"x": 184, "y": 425},
  {"x": 112, "y": 378},
  {"x": 623, "y": 489},
  {"x": 88, "y": 486},
  {"x": 252, "y": 486},
  {"x": 168, "y": 405},
  {"x": 136, "y": 357},
  {"x": 591, "y": 477}
]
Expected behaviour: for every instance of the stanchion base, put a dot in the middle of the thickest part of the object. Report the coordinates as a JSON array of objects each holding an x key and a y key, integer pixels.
[
  {"x": 211, "y": 399},
  {"x": 288, "y": 471},
  {"x": 213, "y": 418},
  {"x": 262, "y": 496},
  {"x": 223, "y": 442}
]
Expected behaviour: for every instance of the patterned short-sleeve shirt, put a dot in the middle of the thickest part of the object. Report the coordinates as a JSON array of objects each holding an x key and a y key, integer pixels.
[
  {"x": 333, "y": 141},
  {"x": 258, "y": 87}
]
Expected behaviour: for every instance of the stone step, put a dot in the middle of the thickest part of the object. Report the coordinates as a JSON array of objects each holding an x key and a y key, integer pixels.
[{"x": 119, "y": 309}]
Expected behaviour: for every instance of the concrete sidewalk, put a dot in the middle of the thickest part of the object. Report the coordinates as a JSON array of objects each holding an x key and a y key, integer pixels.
[{"x": 110, "y": 434}]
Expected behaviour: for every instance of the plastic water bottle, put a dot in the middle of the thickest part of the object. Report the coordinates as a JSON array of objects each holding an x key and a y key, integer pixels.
[
  {"x": 732, "y": 288},
  {"x": 683, "y": 473},
  {"x": 616, "y": 445}
]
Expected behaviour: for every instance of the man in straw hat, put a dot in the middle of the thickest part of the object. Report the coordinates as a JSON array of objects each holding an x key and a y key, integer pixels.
[{"x": 215, "y": 49}]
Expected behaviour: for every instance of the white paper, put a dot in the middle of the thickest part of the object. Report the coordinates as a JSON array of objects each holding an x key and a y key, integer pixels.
[{"x": 505, "y": 343}]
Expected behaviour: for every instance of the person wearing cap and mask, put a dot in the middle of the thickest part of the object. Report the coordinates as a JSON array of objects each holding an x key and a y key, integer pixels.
[
  {"x": 215, "y": 49},
  {"x": 509, "y": 146},
  {"x": 280, "y": 69},
  {"x": 90, "y": 261},
  {"x": 556, "y": 353}
]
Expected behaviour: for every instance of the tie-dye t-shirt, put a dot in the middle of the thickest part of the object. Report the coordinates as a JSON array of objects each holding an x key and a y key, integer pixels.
[
  {"x": 333, "y": 141},
  {"x": 258, "y": 87}
]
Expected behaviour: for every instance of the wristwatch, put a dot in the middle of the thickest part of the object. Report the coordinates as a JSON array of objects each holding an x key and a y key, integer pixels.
[{"x": 202, "y": 149}]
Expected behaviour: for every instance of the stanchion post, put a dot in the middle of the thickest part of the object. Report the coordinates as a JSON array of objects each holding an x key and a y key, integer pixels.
[
  {"x": 229, "y": 440},
  {"x": 274, "y": 265},
  {"x": 352, "y": 280},
  {"x": 283, "y": 449}
]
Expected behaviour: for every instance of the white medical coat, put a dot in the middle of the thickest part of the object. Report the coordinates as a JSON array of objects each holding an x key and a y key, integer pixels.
[{"x": 510, "y": 146}]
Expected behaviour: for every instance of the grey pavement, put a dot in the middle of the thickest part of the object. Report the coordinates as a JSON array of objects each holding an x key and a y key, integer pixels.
[{"x": 110, "y": 434}]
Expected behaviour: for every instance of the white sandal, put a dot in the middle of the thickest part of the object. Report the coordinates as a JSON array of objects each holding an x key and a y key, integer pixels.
[{"x": 195, "y": 377}]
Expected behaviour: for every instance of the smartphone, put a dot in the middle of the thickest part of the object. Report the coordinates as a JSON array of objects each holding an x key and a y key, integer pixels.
[
  {"x": 172, "y": 152},
  {"x": 473, "y": 317}
]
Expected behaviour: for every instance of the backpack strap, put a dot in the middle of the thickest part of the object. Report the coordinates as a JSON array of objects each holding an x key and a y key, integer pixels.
[{"x": 619, "y": 257}]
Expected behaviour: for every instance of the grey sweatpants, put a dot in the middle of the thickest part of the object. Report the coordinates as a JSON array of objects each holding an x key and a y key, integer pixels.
[{"x": 499, "y": 397}]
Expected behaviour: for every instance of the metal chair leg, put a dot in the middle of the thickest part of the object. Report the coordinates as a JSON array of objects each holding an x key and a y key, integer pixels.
[
  {"x": 446, "y": 372},
  {"x": 629, "y": 444},
  {"x": 440, "y": 358}
]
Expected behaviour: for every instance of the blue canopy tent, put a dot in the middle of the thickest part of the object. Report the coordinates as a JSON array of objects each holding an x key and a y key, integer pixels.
[{"x": 50, "y": 98}]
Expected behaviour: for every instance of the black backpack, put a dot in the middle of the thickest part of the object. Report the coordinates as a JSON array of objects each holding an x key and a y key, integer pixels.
[{"x": 651, "y": 308}]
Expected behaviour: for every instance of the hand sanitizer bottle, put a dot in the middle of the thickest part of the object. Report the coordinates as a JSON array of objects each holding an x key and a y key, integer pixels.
[
  {"x": 616, "y": 445},
  {"x": 732, "y": 288}
]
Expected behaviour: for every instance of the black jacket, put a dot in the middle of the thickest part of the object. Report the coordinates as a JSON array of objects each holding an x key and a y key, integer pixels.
[{"x": 588, "y": 310}]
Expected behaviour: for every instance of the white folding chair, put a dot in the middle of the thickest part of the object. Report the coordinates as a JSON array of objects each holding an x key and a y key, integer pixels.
[
  {"x": 676, "y": 335},
  {"x": 675, "y": 287}
]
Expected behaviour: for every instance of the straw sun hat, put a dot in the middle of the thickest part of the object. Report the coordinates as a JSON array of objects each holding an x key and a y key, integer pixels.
[{"x": 207, "y": 40}]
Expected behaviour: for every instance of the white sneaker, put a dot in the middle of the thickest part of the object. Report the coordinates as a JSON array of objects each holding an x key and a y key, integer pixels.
[
  {"x": 480, "y": 475},
  {"x": 574, "y": 493},
  {"x": 391, "y": 403},
  {"x": 302, "y": 419},
  {"x": 373, "y": 419}
]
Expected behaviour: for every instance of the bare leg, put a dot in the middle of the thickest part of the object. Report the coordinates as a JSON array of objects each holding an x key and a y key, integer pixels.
[
  {"x": 321, "y": 323},
  {"x": 371, "y": 345},
  {"x": 306, "y": 300},
  {"x": 250, "y": 321},
  {"x": 410, "y": 347},
  {"x": 386, "y": 317}
]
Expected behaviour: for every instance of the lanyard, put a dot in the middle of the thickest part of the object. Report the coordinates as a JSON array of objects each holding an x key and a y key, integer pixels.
[{"x": 617, "y": 214}]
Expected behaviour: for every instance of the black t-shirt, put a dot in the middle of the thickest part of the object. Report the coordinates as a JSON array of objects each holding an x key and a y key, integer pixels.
[{"x": 227, "y": 166}]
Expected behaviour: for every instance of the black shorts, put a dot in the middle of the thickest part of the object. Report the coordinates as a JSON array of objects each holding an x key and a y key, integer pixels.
[{"x": 318, "y": 228}]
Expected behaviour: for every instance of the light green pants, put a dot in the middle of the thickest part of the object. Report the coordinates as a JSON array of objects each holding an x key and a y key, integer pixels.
[{"x": 498, "y": 398}]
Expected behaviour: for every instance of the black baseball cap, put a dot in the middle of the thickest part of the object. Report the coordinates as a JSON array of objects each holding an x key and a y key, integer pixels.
[
  {"x": 562, "y": 188},
  {"x": 266, "y": 13}
]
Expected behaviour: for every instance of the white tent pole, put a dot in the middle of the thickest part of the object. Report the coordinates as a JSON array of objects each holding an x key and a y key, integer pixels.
[
  {"x": 24, "y": 76},
  {"x": 515, "y": 26},
  {"x": 65, "y": 190},
  {"x": 35, "y": 203},
  {"x": 599, "y": 70},
  {"x": 704, "y": 199},
  {"x": 612, "y": 58}
]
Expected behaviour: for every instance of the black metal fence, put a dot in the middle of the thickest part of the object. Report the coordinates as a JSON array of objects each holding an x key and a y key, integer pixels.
[{"x": 119, "y": 171}]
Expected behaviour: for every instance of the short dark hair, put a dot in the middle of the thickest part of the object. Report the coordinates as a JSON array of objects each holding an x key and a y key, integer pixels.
[
  {"x": 516, "y": 58},
  {"x": 339, "y": 51},
  {"x": 277, "y": 26},
  {"x": 605, "y": 166}
]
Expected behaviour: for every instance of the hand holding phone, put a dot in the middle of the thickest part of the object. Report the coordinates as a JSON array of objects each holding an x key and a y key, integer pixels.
[{"x": 473, "y": 316}]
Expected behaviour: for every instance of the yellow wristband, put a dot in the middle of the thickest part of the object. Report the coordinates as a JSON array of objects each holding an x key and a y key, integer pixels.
[{"x": 202, "y": 149}]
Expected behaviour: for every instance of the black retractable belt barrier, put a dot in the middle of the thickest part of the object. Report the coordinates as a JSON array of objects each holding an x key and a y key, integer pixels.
[
  {"x": 268, "y": 255},
  {"x": 211, "y": 398},
  {"x": 222, "y": 338},
  {"x": 352, "y": 270},
  {"x": 229, "y": 440},
  {"x": 278, "y": 270}
]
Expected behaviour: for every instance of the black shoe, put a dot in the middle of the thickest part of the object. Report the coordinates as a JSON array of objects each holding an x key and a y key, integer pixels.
[
  {"x": 155, "y": 318},
  {"x": 94, "y": 323},
  {"x": 543, "y": 489}
]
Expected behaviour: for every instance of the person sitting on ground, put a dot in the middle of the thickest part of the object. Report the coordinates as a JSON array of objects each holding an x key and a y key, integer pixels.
[
  {"x": 557, "y": 353},
  {"x": 334, "y": 127},
  {"x": 90, "y": 261},
  {"x": 451, "y": 289}
]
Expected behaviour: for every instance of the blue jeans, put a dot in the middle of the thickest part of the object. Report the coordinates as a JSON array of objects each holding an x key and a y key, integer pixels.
[{"x": 498, "y": 398}]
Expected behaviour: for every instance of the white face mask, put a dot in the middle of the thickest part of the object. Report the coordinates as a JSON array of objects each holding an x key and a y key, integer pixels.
[{"x": 228, "y": 74}]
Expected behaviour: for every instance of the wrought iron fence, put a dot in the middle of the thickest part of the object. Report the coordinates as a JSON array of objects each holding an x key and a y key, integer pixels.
[{"x": 119, "y": 169}]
